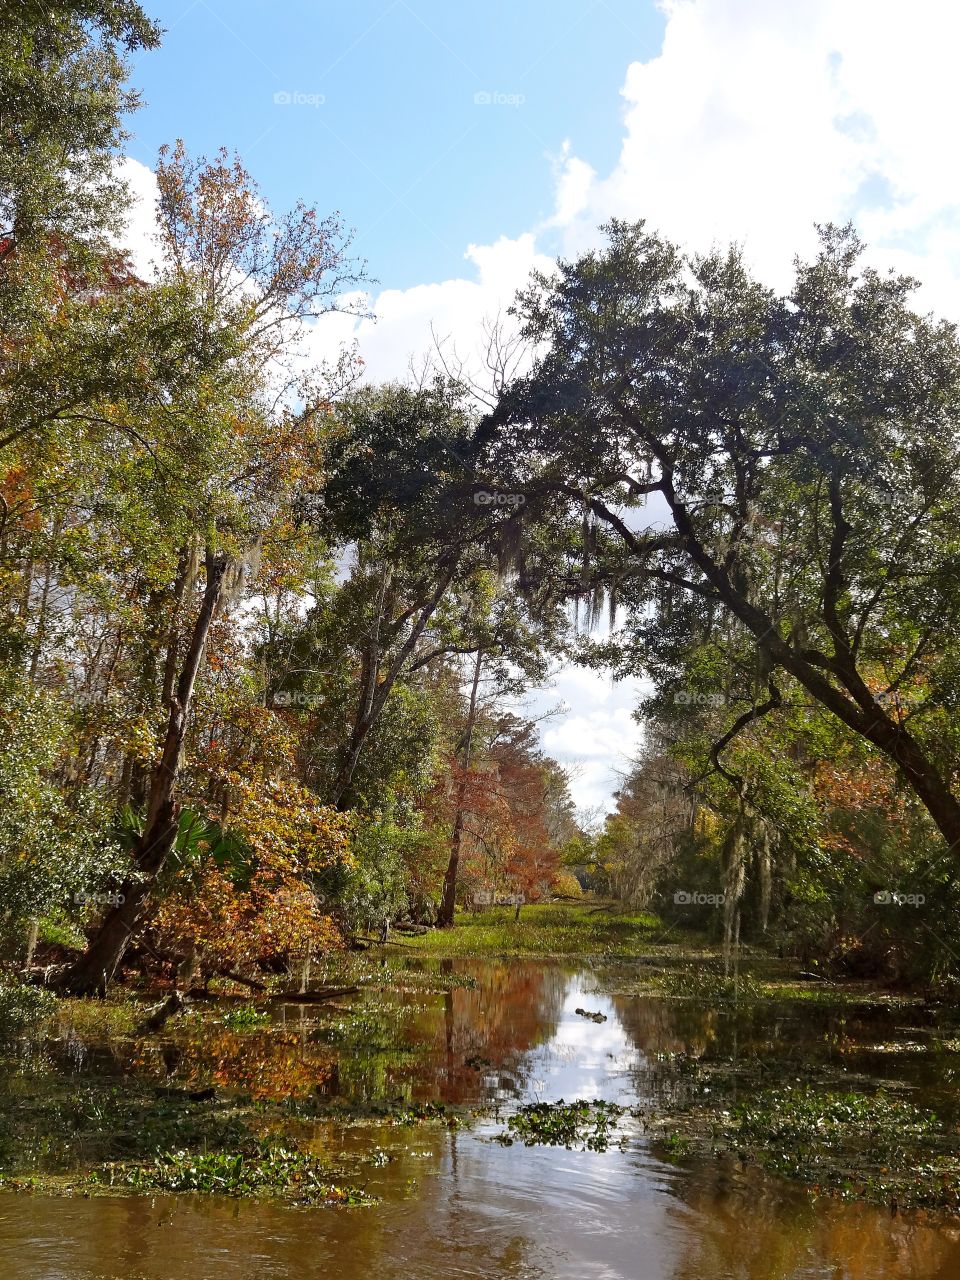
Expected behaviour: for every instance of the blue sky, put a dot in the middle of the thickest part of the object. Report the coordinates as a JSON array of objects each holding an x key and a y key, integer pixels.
[
  {"x": 397, "y": 143},
  {"x": 716, "y": 120}
]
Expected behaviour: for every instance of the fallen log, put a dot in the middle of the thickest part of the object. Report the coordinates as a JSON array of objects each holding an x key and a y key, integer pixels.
[
  {"x": 238, "y": 977},
  {"x": 312, "y": 997},
  {"x": 394, "y": 942},
  {"x": 186, "y": 1095}
]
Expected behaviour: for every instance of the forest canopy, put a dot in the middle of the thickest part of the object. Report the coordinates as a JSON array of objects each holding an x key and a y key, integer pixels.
[{"x": 266, "y": 628}]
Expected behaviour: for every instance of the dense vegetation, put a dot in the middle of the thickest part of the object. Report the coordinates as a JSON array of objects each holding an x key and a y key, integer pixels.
[
  {"x": 264, "y": 627},
  {"x": 259, "y": 648}
]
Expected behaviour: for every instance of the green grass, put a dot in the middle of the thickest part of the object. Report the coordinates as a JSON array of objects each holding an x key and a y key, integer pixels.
[
  {"x": 92, "y": 1019},
  {"x": 543, "y": 930},
  {"x": 22, "y": 1005}
]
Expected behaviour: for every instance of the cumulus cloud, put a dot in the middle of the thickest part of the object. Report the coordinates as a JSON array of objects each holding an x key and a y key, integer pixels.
[
  {"x": 596, "y": 747},
  {"x": 407, "y": 321},
  {"x": 573, "y": 182},
  {"x": 759, "y": 118},
  {"x": 729, "y": 132},
  {"x": 595, "y": 735},
  {"x": 138, "y": 236},
  {"x": 756, "y": 120}
]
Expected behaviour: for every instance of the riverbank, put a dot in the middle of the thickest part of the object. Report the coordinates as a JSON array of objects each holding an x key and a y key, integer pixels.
[{"x": 543, "y": 930}]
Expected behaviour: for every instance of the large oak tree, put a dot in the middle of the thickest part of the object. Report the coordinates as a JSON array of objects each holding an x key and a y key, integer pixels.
[{"x": 787, "y": 461}]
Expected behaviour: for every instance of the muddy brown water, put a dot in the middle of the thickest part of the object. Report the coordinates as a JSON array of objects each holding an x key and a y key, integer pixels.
[{"x": 455, "y": 1204}]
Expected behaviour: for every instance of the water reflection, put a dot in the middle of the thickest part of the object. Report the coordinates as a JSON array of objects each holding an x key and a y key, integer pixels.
[
  {"x": 455, "y": 1204},
  {"x": 479, "y": 1210}
]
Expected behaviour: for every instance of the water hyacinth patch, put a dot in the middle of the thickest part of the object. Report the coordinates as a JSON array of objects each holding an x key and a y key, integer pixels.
[
  {"x": 261, "y": 1170},
  {"x": 246, "y": 1017},
  {"x": 583, "y": 1124}
]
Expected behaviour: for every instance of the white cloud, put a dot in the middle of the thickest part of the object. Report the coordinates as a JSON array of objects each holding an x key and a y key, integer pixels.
[
  {"x": 455, "y": 310},
  {"x": 573, "y": 180},
  {"x": 138, "y": 235},
  {"x": 761, "y": 117},
  {"x": 757, "y": 119},
  {"x": 596, "y": 737},
  {"x": 729, "y": 132}
]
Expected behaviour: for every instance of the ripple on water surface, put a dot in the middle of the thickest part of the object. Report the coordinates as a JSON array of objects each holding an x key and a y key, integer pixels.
[{"x": 458, "y": 1204}]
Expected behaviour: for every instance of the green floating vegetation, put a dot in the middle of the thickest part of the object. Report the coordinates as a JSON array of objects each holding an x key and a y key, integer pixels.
[
  {"x": 261, "y": 1170},
  {"x": 806, "y": 1118},
  {"x": 587, "y": 1125},
  {"x": 869, "y": 1146},
  {"x": 246, "y": 1017},
  {"x": 405, "y": 1113},
  {"x": 675, "y": 1148},
  {"x": 711, "y": 986},
  {"x": 430, "y": 980}
]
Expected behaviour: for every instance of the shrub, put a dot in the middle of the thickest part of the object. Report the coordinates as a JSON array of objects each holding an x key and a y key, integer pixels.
[
  {"x": 21, "y": 1005},
  {"x": 566, "y": 885}
]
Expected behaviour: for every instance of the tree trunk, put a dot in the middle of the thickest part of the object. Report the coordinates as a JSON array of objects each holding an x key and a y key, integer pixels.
[
  {"x": 305, "y": 969},
  {"x": 162, "y": 638},
  {"x": 189, "y": 967},
  {"x": 449, "y": 899},
  {"x": 854, "y": 704},
  {"x": 375, "y": 692},
  {"x": 95, "y": 969},
  {"x": 32, "y": 935}
]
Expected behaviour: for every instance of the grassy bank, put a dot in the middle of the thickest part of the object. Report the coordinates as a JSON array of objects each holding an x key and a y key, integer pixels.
[{"x": 544, "y": 931}]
